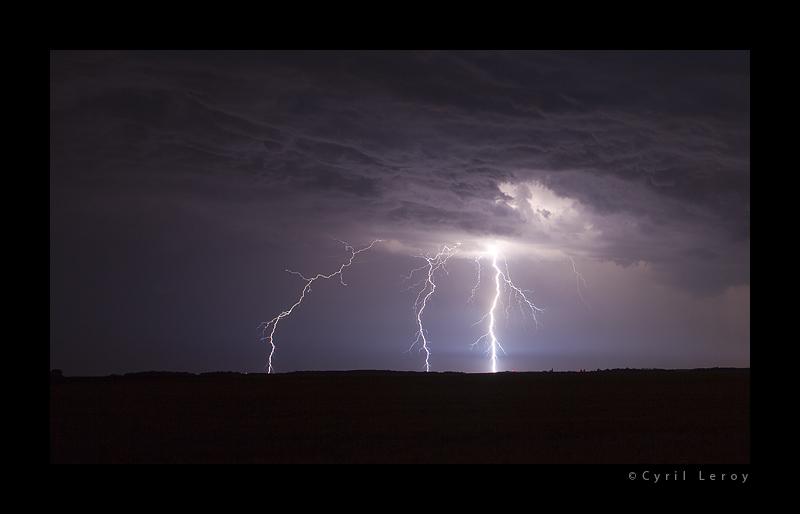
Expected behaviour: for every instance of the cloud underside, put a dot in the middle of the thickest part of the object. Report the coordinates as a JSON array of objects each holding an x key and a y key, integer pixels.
[{"x": 649, "y": 161}]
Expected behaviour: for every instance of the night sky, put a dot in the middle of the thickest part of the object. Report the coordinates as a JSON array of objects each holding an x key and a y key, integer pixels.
[{"x": 183, "y": 185}]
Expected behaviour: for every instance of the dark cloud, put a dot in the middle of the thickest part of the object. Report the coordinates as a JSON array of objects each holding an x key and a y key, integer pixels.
[{"x": 623, "y": 157}]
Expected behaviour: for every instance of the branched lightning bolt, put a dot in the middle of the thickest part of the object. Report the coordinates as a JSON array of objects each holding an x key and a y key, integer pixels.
[
  {"x": 477, "y": 261},
  {"x": 515, "y": 296},
  {"x": 433, "y": 264},
  {"x": 578, "y": 280},
  {"x": 268, "y": 334}
]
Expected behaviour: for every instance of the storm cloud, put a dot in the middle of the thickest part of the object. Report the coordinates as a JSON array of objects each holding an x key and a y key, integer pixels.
[{"x": 186, "y": 182}]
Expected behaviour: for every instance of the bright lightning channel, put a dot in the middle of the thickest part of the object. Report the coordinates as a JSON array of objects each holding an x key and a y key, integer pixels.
[
  {"x": 268, "y": 334},
  {"x": 433, "y": 264},
  {"x": 515, "y": 296}
]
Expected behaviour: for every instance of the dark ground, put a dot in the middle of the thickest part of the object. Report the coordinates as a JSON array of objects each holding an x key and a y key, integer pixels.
[{"x": 617, "y": 416}]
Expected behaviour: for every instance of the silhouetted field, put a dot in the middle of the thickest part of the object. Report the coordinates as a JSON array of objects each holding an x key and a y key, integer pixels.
[{"x": 618, "y": 416}]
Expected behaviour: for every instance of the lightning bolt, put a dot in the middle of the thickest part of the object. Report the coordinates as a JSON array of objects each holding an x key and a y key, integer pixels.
[
  {"x": 477, "y": 261},
  {"x": 516, "y": 296},
  {"x": 268, "y": 334},
  {"x": 578, "y": 280},
  {"x": 432, "y": 265}
]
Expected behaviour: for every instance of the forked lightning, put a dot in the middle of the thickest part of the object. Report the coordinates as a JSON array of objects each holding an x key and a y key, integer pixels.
[
  {"x": 516, "y": 296},
  {"x": 433, "y": 264},
  {"x": 268, "y": 334}
]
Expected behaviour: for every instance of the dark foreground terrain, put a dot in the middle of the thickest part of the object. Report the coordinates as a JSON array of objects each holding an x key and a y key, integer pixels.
[{"x": 618, "y": 416}]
